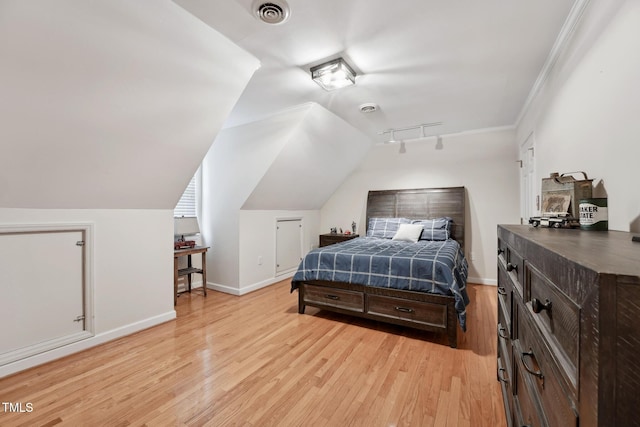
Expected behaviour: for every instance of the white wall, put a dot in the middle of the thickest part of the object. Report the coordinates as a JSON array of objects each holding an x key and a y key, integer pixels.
[
  {"x": 483, "y": 162},
  {"x": 131, "y": 265},
  {"x": 289, "y": 162},
  {"x": 236, "y": 162},
  {"x": 107, "y": 109},
  {"x": 258, "y": 240},
  {"x": 586, "y": 116}
]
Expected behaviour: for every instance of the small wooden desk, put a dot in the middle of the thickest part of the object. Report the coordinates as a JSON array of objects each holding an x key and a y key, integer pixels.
[{"x": 190, "y": 268}]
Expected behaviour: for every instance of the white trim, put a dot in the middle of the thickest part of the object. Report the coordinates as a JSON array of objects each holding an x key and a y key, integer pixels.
[
  {"x": 41, "y": 347},
  {"x": 87, "y": 230},
  {"x": 291, "y": 270},
  {"x": 76, "y": 347},
  {"x": 184, "y": 287},
  {"x": 567, "y": 30},
  {"x": 481, "y": 281},
  {"x": 250, "y": 288}
]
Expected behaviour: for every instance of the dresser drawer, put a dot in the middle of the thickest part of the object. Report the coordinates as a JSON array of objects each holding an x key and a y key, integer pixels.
[
  {"x": 526, "y": 408},
  {"x": 340, "y": 298},
  {"x": 504, "y": 338},
  {"x": 559, "y": 317},
  {"x": 502, "y": 251},
  {"x": 515, "y": 268},
  {"x": 412, "y": 311},
  {"x": 543, "y": 374},
  {"x": 505, "y": 353},
  {"x": 505, "y": 384},
  {"x": 505, "y": 296}
]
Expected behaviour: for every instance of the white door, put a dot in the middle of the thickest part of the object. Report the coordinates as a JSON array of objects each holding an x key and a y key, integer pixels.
[
  {"x": 42, "y": 288},
  {"x": 529, "y": 198},
  {"x": 288, "y": 245}
]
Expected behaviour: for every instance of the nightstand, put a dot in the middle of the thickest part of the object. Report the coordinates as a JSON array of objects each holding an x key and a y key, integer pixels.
[{"x": 331, "y": 238}]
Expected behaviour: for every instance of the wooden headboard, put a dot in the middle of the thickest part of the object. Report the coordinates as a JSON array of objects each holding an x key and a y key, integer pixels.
[{"x": 420, "y": 203}]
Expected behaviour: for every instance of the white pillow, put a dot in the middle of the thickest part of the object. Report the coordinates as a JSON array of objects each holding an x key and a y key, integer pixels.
[{"x": 408, "y": 232}]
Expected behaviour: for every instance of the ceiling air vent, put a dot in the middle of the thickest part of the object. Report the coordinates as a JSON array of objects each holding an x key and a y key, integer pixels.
[
  {"x": 368, "y": 107},
  {"x": 272, "y": 12}
]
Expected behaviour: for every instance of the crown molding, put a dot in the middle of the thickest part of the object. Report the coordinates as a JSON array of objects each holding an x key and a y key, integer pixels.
[{"x": 563, "y": 39}]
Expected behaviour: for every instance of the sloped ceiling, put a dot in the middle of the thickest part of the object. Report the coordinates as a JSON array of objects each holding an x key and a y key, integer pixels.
[
  {"x": 291, "y": 160},
  {"x": 109, "y": 104},
  {"x": 319, "y": 153},
  {"x": 468, "y": 64}
]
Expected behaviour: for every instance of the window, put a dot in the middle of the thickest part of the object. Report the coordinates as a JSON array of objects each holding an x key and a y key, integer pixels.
[{"x": 187, "y": 204}]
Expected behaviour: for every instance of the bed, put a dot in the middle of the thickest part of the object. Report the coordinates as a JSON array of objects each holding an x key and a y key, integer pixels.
[{"x": 416, "y": 283}]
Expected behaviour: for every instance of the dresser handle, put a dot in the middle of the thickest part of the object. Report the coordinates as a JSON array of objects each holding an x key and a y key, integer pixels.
[
  {"x": 538, "y": 306},
  {"x": 502, "y": 291},
  {"x": 501, "y": 377},
  {"x": 333, "y": 297},
  {"x": 404, "y": 309},
  {"x": 531, "y": 371},
  {"x": 501, "y": 330},
  {"x": 511, "y": 267}
]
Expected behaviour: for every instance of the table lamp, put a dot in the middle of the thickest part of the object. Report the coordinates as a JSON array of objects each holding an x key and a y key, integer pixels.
[{"x": 185, "y": 226}]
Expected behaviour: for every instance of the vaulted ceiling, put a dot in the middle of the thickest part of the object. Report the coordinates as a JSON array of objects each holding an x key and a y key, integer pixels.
[
  {"x": 109, "y": 104},
  {"x": 468, "y": 64}
]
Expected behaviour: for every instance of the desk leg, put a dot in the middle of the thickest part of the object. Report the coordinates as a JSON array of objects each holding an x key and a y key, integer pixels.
[
  {"x": 175, "y": 280},
  {"x": 204, "y": 272},
  {"x": 189, "y": 265}
]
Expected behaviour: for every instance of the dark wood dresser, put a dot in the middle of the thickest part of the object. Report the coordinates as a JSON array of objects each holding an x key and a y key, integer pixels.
[
  {"x": 568, "y": 327},
  {"x": 331, "y": 238}
]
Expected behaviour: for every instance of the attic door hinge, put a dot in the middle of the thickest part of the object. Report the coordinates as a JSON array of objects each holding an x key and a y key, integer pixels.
[{"x": 80, "y": 243}]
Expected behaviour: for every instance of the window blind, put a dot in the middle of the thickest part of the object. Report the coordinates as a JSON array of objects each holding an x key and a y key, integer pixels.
[{"x": 187, "y": 204}]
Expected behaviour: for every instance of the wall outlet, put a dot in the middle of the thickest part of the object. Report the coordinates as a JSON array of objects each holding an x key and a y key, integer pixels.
[
  {"x": 260, "y": 260},
  {"x": 472, "y": 256}
]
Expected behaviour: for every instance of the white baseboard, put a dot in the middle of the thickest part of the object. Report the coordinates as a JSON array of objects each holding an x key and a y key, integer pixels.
[
  {"x": 250, "y": 288},
  {"x": 183, "y": 287},
  {"x": 66, "y": 350},
  {"x": 481, "y": 281}
]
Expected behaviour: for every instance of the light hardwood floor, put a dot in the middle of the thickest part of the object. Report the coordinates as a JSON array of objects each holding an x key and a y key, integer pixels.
[{"x": 254, "y": 361}]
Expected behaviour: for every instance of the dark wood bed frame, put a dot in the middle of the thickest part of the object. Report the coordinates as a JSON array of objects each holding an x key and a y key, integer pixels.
[{"x": 419, "y": 310}]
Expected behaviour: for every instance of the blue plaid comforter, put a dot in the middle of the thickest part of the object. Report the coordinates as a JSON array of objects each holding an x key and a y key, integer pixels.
[{"x": 437, "y": 267}]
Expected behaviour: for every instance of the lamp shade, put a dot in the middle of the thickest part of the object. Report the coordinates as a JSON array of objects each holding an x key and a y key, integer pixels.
[{"x": 185, "y": 226}]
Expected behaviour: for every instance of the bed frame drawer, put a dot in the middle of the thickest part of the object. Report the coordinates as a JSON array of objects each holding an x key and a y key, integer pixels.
[
  {"x": 412, "y": 311},
  {"x": 332, "y": 297}
]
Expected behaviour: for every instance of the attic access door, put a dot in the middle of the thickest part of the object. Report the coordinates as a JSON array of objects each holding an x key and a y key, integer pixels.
[
  {"x": 288, "y": 245},
  {"x": 43, "y": 287}
]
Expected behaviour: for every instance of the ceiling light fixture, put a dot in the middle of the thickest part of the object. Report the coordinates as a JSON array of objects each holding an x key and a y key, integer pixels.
[
  {"x": 403, "y": 148},
  {"x": 333, "y": 74},
  {"x": 392, "y": 138},
  {"x": 410, "y": 128}
]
